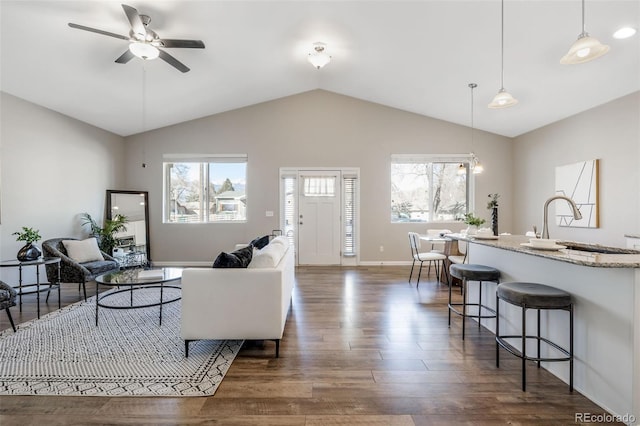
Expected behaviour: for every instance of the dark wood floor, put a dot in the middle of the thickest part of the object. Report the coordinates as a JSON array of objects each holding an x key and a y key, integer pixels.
[{"x": 361, "y": 347}]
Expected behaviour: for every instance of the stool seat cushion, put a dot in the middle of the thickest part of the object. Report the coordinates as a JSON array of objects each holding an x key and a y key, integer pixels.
[
  {"x": 533, "y": 295},
  {"x": 473, "y": 272}
]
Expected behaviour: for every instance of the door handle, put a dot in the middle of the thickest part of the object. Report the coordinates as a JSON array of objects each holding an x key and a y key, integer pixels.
[{"x": 300, "y": 223}]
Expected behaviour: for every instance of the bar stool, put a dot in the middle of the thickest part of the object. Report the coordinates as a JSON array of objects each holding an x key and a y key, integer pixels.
[
  {"x": 471, "y": 272},
  {"x": 539, "y": 297}
]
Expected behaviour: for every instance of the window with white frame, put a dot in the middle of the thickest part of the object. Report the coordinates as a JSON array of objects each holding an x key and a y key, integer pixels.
[
  {"x": 349, "y": 215},
  {"x": 429, "y": 188},
  {"x": 205, "y": 189}
]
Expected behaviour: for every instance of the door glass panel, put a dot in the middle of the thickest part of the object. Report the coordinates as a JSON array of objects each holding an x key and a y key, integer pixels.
[{"x": 320, "y": 186}]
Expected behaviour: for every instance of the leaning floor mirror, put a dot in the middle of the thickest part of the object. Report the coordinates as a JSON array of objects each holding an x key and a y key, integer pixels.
[{"x": 132, "y": 244}]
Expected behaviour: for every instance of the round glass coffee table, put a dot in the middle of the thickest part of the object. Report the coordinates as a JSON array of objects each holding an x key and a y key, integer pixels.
[{"x": 137, "y": 280}]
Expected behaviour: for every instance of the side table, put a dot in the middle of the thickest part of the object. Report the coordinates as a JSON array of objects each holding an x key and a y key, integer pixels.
[{"x": 39, "y": 287}]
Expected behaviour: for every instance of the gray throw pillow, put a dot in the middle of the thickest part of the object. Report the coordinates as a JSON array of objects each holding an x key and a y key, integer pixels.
[
  {"x": 237, "y": 259},
  {"x": 260, "y": 242}
]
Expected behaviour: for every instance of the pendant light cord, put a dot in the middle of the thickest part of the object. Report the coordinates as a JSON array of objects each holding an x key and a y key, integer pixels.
[
  {"x": 472, "y": 86},
  {"x": 502, "y": 45},
  {"x": 584, "y": 29}
]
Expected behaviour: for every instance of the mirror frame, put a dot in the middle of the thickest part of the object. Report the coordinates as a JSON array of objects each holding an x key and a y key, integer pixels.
[{"x": 145, "y": 194}]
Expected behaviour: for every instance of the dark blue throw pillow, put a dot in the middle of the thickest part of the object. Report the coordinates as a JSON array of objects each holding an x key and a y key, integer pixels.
[
  {"x": 260, "y": 242},
  {"x": 237, "y": 259}
]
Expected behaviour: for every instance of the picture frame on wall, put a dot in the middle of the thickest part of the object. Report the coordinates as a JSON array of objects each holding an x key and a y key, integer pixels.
[{"x": 580, "y": 182}]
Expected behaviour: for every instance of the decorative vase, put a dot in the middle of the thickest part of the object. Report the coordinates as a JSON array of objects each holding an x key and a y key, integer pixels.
[
  {"x": 29, "y": 252},
  {"x": 494, "y": 220},
  {"x": 472, "y": 230}
]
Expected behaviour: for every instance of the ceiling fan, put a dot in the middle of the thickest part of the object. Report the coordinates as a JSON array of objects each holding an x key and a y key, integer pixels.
[{"x": 144, "y": 42}]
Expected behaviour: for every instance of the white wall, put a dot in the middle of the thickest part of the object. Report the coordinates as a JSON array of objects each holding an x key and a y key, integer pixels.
[
  {"x": 312, "y": 129},
  {"x": 611, "y": 133},
  {"x": 52, "y": 169}
]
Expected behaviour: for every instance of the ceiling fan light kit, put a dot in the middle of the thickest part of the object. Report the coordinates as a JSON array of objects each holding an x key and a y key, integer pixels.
[
  {"x": 144, "y": 43},
  {"x": 144, "y": 50}
]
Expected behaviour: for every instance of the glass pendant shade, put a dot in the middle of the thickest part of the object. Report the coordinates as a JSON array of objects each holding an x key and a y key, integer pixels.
[
  {"x": 144, "y": 50},
  {"x": 462, "y": 169},
  {"x": 502, "y": 100},
  {"x": 477, "y": 168},
  {"x": 585, "y": 49}
]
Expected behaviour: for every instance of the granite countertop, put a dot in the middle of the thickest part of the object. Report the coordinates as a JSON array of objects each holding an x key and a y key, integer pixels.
[{"x": 626, "y": 259}]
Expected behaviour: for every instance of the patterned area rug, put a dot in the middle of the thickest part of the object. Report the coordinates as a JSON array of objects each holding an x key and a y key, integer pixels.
[{"x": 128, "y": 354}]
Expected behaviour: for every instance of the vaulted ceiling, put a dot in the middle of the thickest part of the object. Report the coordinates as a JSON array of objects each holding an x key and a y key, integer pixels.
[{"x": 417, "y": 56}]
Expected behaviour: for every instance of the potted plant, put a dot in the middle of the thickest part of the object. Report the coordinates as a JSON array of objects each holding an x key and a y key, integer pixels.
[
  {"x": 29, "y": 251},
  {"x": 106, "y": 235},
  {"x": 493, "y": 206},
  {"x": 473, "y": 222}
]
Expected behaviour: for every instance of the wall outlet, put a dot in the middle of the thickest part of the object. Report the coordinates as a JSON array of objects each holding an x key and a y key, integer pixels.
[
  {"x": 268, "y": 213},
  {"x": 381, "y": 249}
]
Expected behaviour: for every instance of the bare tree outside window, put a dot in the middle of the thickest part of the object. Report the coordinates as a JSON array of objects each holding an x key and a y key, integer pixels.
[
  {"x": 202, "y": 192},
  {"x": 427, "y": 192}
]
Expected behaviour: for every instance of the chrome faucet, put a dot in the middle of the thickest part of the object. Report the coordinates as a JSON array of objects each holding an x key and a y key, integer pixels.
[{"x": 576, "y": 213}]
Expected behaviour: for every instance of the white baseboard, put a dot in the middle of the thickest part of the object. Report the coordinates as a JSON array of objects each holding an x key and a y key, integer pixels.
[
  {"x": 207, "y": 264},
  {"x": 184, "y": 264}
]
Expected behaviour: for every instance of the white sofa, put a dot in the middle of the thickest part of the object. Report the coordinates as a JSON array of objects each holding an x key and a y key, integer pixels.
[{"x": 240, "y": 303}]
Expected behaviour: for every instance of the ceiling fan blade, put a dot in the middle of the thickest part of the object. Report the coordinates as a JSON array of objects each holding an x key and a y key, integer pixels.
[
  {"x": 136, "y": 23},
  {"x": 95, "y": 30},
  {"x": 173, "y": 61},
  {"x": 125, "y": 57},
  {"x": 193, "y": 44}
]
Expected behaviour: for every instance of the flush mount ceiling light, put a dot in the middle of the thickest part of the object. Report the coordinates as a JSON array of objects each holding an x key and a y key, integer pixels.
[
  {"x": 585, "y": 49},
  {"x": 144, "y": 50},
  {"x": 319, "y": 58},
  {"x": 503, "y": 99}
]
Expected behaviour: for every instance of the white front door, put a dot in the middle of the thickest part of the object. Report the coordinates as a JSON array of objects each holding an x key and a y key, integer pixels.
[{"x": 319, "y": 217}]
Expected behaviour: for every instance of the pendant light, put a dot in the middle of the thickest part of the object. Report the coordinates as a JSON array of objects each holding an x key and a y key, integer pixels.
[
  {"x": 474, "y": 163},
  {"x": 476, "y": 166},
  {"x": 503, "y": 99},
  {"x": 585, "y": 49}
]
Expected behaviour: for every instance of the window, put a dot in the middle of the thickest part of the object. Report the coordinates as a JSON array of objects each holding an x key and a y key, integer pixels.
[
  {"x": 319, "y": 186},
  {"x": 288, "y": 191},
  {"x": 205, "y": 189},
  {"x": 428, "y": 188},
  {"x": 349, "y": 215}
]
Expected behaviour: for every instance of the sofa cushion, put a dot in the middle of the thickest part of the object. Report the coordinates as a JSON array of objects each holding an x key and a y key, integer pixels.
[
  {"x": 236, "y": 259},
  {"x": 260, "y": 242},
  {"x": 281, "y": 240},
  {"x": 99, "y": 267},
  {"x": 84, "y": 250},
  {"x": 268, "y": 257}
]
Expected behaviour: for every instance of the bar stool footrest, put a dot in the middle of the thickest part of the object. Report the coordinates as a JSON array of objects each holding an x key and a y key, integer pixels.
[
  {"x": 501, "y": 340},
  {"x": 479, "y": 315}
]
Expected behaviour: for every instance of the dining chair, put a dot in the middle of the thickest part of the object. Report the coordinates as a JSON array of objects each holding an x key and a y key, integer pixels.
[{"x": 431, "y": 257}]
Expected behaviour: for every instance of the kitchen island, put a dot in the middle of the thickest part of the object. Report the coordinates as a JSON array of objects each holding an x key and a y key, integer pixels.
[{"x": 605, "y": 285}]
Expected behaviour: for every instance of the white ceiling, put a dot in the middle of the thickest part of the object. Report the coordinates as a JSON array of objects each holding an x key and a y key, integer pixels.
[{"x": 418, "y": 56}]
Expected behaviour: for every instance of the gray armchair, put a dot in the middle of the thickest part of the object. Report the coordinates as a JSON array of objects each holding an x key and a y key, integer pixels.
[
  {"x": 8, "y": 299},
  {"x": 72, "y": 271}
]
